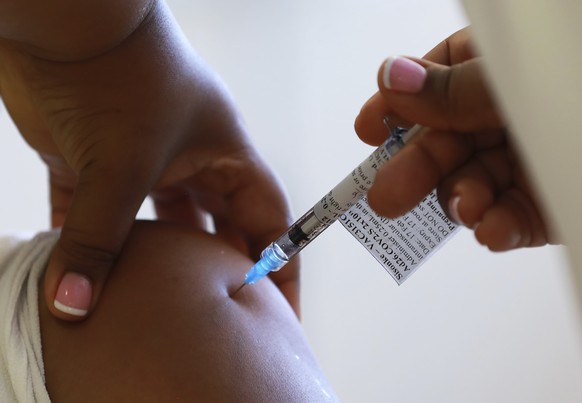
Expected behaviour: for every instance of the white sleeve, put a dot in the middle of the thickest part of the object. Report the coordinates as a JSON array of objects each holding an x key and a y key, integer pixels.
[{"x": 21, "y": 364}]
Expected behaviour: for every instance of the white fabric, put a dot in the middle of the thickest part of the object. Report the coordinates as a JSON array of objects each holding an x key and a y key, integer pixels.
[
  {"x": 21, "y": 364},
  {"x": 533, "y": 58}
]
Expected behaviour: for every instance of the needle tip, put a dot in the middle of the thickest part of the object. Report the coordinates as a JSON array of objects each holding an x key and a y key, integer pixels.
[{"x": 238, "y": 289}]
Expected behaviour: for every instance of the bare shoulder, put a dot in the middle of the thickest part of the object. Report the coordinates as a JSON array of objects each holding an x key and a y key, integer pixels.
[{"x": 166, "y": 329}]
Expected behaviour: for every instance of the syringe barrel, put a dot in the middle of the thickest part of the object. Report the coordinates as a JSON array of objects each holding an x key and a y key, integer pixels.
[
  {"x": 356, "y": 185},
  {"x": 343, "y": 196},
  {"x": 303, "y": 231}
]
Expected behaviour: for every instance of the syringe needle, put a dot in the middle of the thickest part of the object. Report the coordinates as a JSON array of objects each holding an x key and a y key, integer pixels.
[
  {"x": 325, "y": 212},
  {"x": 238, "y": 289}
]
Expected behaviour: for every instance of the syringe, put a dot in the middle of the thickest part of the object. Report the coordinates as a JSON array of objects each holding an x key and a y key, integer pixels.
[{"x": 329, "y": 208}]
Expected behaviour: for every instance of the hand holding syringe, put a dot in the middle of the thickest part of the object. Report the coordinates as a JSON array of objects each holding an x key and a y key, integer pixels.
[{"x": 329, "y": 208}]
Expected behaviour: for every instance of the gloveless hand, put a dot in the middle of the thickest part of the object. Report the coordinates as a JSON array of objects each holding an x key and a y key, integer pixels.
[
  {"x": 142, "y": 117},
  {"x": 465, "y": 150}
]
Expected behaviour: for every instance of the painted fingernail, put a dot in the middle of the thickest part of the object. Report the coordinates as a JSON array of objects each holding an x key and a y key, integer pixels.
[
  {"x": 514, "y": 240},
  {"x": 74, "y": 294},
  {"x": 402, "y": 74},
  {"x": 454, "y": 209}
]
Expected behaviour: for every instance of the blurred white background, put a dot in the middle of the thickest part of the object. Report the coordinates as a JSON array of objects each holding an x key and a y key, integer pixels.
[{"x": 469, "y": 326}]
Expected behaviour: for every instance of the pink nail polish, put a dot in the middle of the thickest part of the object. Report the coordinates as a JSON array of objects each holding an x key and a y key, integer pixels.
[
  {"x": 402, "y": 74},
  {"x": 74, "y": 294}
]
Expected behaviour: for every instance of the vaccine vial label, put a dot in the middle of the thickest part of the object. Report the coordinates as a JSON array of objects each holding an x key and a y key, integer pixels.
[
  {"x": 354, "y": 186},
  {"x": 400, "y": 245}
]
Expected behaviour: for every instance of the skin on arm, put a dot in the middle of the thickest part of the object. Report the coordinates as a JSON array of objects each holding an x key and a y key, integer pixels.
[
  {"x": 69, "y": 29},
  {"x": 167, "y": 330}
]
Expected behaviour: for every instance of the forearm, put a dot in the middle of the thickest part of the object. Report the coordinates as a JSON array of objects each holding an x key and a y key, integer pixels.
[{"x": 70, "y": 29}]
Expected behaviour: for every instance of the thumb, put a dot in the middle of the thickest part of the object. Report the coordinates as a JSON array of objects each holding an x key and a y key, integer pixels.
[
  {"x": 442, "y": 97},
  {"x": 101, "y": 214}
]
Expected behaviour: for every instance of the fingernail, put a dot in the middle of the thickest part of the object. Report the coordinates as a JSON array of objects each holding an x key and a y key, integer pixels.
[
  {"x": 74, "y": 294},
  {"x": 454, "y": 210},
  {"x": 402, "y": 74},
  {"x": 514, "y": 240}
]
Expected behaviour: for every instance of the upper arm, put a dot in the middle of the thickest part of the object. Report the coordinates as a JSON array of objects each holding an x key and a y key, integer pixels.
[
  {"x": 167, "y": 329},
  {"x": 71, "y": 29}
]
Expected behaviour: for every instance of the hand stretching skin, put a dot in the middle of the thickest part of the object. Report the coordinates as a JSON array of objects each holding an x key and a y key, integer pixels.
[
  {"x": 465, "y": 150},
  {"x": 125, "y": 117}
]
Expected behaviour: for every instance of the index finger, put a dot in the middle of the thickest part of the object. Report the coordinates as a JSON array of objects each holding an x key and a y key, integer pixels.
[{"x": 421, "y": 166}]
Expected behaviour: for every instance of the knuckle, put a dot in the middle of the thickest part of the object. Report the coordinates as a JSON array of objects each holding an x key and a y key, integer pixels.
[
  {"x": 453, "y": 103},
  {"x": 450, "y": 96},
  {"x": 85, "y": 257}
]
